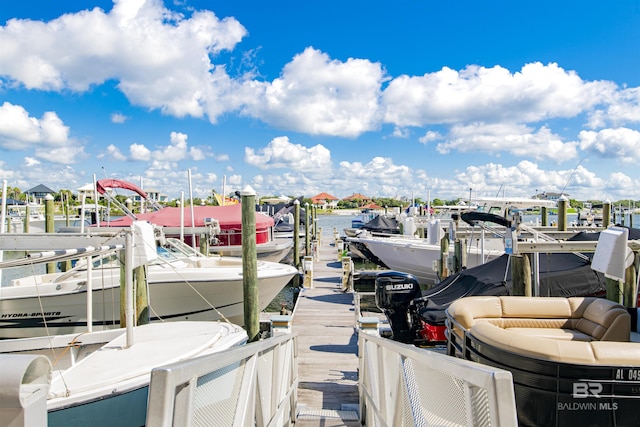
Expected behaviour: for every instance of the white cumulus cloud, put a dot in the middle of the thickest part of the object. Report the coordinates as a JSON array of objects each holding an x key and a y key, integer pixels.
[
  {"x": 281, "y": 153},
  {"x": 619, "y": 143},
  {"x": 20, "y": 131},
  {"x": 518, "y": 140},
  {"x": 139, "y": 152},
  {"x": 494, "y": 94},
  {"x": 318, "y": 95},
  {"x": 160, "y": 58}
]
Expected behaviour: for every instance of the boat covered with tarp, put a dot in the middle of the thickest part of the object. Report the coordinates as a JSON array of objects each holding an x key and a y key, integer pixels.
[
  {"x": 560, "y": 274},
  {"x": 382, "y": 224}
]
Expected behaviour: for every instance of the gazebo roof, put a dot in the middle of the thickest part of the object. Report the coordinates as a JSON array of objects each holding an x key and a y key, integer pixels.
[{"x": 41, "y": 188}]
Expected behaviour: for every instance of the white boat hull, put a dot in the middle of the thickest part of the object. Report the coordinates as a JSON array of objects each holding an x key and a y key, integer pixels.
[
  {"x": 98, "y": 381},
  {"x": 417, "y": 257},
  {"x": 275, "y": 250},
  {"x": 190, "y": 293}
]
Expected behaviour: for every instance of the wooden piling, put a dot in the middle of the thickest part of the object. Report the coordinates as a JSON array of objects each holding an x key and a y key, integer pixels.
[
  {"x": 443, "y": 271},
  {"x": 307, "y": 236},
  {"x": 347, "y": 274},
  {"x": 614, "y": 290},
  {"x": 315, "y": 222},
  {"x": 27, "y": 216},
  {"x": 545, "y": 216},
  {"x": 521, "y": 275},
  {"x": 250, "y": 264},
  {"x": 204, "y": 244},
  {"x": 630, "y": 292},
  {"x": 606, "y": 214},
  {"x": 296, "y": 234},
  {"x": 562, "y": 213},
  {"x": 142, "y": 300},
  {"x": 67, "y": 212},
  {"x": 49, "y": 225},
  {"x": 461, "y": 254}
]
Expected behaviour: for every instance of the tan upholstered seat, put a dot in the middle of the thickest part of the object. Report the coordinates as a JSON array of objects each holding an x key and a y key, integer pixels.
[{"x": 574, "y": 330}]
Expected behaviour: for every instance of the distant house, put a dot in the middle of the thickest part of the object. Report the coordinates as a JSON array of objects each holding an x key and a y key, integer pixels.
[
  {"x": 550, "y": 196},
  {"x": 360, "y": 199},
  {"x": 153, "y": 195},
  {"x": 324, "y": 201},
  {"x": 88, "y": 191},
  {"x": 38, "y": 193},
  {"x": 372, "y": 206}
]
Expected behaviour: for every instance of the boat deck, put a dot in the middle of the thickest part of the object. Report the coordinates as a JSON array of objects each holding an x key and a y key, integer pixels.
[{"x": 324, "y": 319}]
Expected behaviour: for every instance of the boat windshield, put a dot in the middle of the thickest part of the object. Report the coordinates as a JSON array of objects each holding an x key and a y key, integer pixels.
[
  {"x": 172, "y": 251},
  {"x": 179, "y": 248}
]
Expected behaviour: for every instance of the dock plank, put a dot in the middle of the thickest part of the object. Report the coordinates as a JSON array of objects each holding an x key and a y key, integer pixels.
[{"x": 324, "y": 320}]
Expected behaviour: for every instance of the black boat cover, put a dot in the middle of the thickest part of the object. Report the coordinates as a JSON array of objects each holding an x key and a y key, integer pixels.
[
  {"x": 561, "y": 274},
  {"x": 382, "y": 224},
  {"x": 283, "y": 209}
]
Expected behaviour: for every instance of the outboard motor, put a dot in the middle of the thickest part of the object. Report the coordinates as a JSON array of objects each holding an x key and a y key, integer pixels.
[{"x": 394, "y": 292}]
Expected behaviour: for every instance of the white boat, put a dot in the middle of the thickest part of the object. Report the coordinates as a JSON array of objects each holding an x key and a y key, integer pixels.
[
  {"x": 183, "y": 285},
  {"x": 275, "y": 250},
  {"x": 359, "y": 221},
  {"x": 102, "y": 378},
  {"x": 228, "y": 237},
  {"x": 418, "y": 256},
  {"x": 99, "y": 380},
  {"x": 17, "y": 216}
]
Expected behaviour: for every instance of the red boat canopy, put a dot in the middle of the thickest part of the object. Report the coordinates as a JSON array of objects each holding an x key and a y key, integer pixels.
[
  {"x": 229, "y": 217},
  {"x": 103, "y": 184}
]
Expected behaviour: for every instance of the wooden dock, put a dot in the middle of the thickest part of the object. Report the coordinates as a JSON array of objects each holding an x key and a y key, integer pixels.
[{"x": 324, "y": 320}]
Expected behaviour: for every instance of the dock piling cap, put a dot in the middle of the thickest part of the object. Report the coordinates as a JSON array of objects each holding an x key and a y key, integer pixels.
[{"x": 248, "y": 191}]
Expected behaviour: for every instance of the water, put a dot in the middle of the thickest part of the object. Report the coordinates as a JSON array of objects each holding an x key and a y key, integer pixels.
[
  {"x": 329, "y": 222},
  {"x": 8, "y": 274},
  {"x": 287, "y": 297}
]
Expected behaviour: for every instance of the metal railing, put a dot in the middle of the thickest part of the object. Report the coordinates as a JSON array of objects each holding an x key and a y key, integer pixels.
[
  {"x": 402, "y": 385},
  {"x": 252, "y": 385}
]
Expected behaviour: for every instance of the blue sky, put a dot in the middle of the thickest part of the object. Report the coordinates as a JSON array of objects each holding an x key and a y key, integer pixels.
[{"x": 382, "y": 98}]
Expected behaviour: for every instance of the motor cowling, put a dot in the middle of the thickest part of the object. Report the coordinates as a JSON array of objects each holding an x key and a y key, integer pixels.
[{"x": 394, "y": 291}]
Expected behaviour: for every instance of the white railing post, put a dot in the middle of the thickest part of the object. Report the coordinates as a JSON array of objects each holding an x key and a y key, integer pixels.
[
  {"x": 404, "y": 385},
  {"x": 223, "y": 388}
]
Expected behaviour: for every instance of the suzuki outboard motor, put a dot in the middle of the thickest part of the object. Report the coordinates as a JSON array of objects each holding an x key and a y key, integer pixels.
[{"x": 394, "y": 292}]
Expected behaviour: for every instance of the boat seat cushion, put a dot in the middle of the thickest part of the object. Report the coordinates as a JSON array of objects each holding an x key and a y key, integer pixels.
[
  {"x": 558, "y": 350},
  {"x": 574, "y": 319},
  {"x": 555, "y": 333},
  {"x": 616, "y": 353},
  {"x": 605, "y": 321}
]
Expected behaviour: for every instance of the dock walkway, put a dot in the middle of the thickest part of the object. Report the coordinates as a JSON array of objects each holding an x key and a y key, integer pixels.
[{"x": 324, "y": 320}]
